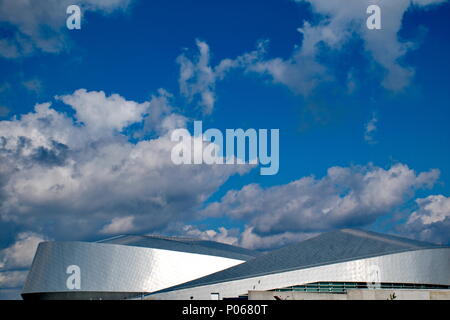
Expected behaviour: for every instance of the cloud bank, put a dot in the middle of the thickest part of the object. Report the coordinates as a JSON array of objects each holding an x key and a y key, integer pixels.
[
  {"x": 352, "y": 196},
  {"x": 74, "y": 176},
  {"x": 335, "y": 25}
]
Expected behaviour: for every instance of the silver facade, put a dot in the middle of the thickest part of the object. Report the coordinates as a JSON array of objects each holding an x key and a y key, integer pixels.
[
  {"x": 425, "y": 266},
  {"x": 120, "y": 270},
  {"x": 153, "y": 267}
]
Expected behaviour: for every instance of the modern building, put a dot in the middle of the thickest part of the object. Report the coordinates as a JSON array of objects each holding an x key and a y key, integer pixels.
[
  {"x": 343, "y": 264},
  {"x": 124, "y": 267}
]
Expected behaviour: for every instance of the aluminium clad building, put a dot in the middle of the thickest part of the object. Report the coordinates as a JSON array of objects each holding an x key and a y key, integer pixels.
[
  {"x": 171, "y": 268},
  {"x": 125, "y": 266},
  {"x": 332, "y": 262}
]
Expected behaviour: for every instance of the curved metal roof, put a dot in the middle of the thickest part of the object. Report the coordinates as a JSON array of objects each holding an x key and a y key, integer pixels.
[
  {"x": 327, "y": 248},
  {"x": 184, "y": 245}
]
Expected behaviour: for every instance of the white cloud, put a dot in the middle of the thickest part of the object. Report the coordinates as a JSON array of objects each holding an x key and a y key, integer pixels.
[
  {"x": 65, "y": 177},
  {"x": 21, "y": 253},
  {"x": 303, "y": 71},
  {"x": 353, "y": 196},
  {"x": 41, "y": 25},
  {"x": 252, "y": 240},
  {"x": 342, "y": 21},
  {"x": 432, "y": 209},
  {"x": 119, "y": 225},
  {"x": 198, "y": 78},
  {"x": 102, "y": 115},
  {"x": 162, "y": 119},
  {"x": 223, "y": 235},
  {"x": 431, "y": 221},
  {"x": 370, "y": 129}
]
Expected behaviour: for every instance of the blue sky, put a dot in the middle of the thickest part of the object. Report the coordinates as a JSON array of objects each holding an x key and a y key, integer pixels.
[{"x": 323, "y": 86}]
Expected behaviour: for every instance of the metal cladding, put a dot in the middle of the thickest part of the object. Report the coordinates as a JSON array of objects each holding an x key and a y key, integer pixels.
[
  {"x": 343, "y": 255},
  {"x": 125, "y": 266},
  {"x": 176, "y": 268}
]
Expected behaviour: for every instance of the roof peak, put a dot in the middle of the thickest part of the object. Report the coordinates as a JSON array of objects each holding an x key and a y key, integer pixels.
[{"x": 327, "y": 248}]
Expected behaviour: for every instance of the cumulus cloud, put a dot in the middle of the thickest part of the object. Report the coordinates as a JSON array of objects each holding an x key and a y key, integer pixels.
[
  {"x": 162, "y": 118},
  {"x": 198, "y": 78},
  {"x": 228, "y": 236},
  {"x": 301, "y": 72},
  {"x": 70, "y": 176},
  {"x": 370, "y": 129},
  {"x": 352, "y": 196},
  {"x": 119, "y": 225},
  {"x": 203, "y": 75},
  {"x": 337, "y": 24},
  {"x": 252, "y": 240},
  {"x": 431, "y": 220},
  {"x": 40, "y": 25},
  {"x": 20, "y": 254},
  {"x": 102, "y": 115}
]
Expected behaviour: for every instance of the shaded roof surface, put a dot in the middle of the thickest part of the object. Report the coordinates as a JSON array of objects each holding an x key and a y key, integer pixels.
[
  {"x": 327, "y": 248},
  {"x": 185, "y": 245}
]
